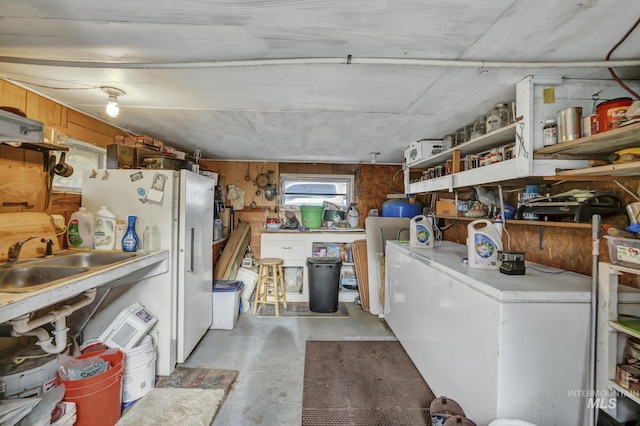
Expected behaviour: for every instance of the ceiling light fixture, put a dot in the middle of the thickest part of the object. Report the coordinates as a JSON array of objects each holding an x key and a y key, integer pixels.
[
  {"x": 113, "y": 109},
  {"x": 373, "y": 157}
]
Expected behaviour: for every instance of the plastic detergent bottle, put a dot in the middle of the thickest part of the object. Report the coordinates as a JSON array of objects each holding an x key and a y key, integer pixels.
[
  {"x": 130, "y": 242},
  {"x": 421, "y": 232},
  {"x": 483, "y": 244},
  {"x": 80, "y": 229},
  {"x": 353, "y": 216},
  {"x": 104, "y": 236}
]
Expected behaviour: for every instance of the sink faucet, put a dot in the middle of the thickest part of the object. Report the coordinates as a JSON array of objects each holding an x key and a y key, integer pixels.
[
  {"x": 14, "y": 250},
  {"x": 49, "y": 250}
]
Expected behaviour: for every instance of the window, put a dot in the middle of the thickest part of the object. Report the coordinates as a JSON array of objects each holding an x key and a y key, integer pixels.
[
  {"x": 299, "y": 190},
  {"x": 81, "y": 156}
]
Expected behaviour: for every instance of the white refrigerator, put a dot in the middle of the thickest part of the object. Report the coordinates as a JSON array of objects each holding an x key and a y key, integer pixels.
[{"x": 180, "y": 204}]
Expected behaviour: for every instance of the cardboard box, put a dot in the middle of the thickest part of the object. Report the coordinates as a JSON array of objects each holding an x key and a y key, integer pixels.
[{"x": 447, "y": 208}]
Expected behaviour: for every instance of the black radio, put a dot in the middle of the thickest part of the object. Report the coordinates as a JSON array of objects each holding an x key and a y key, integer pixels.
[{"x": 511, "y": 262}]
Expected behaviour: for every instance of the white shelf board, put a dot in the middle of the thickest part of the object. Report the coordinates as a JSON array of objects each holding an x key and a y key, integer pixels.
[
  {"x": 626, "y": 392},
  {"x": 484, "y": 142}
]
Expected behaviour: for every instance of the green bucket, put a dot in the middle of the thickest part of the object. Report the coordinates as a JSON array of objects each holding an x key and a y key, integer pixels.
[{"x": 311, "y": 216}]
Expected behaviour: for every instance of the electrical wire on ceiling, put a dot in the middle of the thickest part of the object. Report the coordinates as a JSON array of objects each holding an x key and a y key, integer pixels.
[{"x": 611, "y": 71}]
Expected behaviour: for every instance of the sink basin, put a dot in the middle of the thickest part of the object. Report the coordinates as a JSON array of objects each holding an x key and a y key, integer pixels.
[
  {"x": 30, "y": 278},
  {"x": 88, "y": 259}
]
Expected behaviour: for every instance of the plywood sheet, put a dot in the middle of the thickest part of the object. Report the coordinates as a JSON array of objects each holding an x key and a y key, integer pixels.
[
  {"x": 233, "y": 253},
  {"x": 20, "y": 185}
]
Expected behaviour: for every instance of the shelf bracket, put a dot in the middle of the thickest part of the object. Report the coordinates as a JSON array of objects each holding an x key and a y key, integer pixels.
[{"x": 540, "y": 237}]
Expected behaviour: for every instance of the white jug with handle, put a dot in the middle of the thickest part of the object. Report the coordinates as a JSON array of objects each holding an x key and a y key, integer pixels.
[
  {"x": 421, "y": 231},
  {"x": 483, "y": 244}
]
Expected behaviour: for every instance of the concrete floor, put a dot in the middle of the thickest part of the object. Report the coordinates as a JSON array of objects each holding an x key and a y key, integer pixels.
[{"x": 269, "y": 354}]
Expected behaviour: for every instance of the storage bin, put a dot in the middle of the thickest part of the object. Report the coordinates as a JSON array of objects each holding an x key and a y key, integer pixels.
[
  {"x": 624, "y": 251},
  {"x": 226, "y": 304}
]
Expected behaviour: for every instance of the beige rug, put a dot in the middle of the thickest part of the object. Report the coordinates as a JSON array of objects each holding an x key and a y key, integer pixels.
[
  {"x": 175, "y": 406},
  {"x": 188, "y": 397}
]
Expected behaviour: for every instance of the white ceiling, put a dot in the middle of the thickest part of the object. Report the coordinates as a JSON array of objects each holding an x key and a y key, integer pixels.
[{"x": 177, "y": 62}]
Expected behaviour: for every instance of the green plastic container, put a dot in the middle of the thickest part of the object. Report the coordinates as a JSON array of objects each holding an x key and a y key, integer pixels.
[{"x": 311, "y": 216}]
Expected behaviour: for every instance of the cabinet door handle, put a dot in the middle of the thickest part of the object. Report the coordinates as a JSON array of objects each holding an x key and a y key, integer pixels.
[{"x": 286, "y": 248}]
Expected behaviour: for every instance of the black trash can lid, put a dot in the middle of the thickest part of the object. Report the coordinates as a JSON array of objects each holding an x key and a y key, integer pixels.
[{"x": 323, "y": 260}]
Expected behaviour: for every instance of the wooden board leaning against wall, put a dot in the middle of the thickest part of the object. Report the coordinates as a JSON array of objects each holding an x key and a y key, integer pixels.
[{"x": 18, "y": 161}]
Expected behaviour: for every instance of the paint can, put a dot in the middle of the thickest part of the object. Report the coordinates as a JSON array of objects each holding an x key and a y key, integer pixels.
[{"x": 569, "y": 124}]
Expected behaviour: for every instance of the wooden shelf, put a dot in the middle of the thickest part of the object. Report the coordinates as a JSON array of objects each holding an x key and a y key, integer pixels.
[
  {"x": 622, "y": 169},
  {"x": 601, "y": 143},
  {"x": 525, "y": 222},
  {"x": 623, "y": 329}
]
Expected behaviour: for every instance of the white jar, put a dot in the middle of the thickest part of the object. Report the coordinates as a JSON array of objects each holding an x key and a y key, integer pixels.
[{"x": 105, "y": 230}]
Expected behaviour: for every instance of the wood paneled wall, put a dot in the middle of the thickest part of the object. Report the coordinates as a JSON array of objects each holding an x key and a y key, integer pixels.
[
  {"x": 372, "y": 182},
  {"x": 55, "y": 116},
  {"x": 69, "y": 122}
]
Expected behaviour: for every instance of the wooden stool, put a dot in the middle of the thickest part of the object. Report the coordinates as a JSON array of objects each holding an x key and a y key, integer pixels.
[{"x": 270, "y": 272}]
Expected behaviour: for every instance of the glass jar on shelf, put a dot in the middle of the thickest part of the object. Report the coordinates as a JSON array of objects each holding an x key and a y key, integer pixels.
[
  {"x": 479, "y": 127},
  {"x": 468, "y": 130},
  {"x": 498, "y": 118},
  {"x": 460, "y": 136}
]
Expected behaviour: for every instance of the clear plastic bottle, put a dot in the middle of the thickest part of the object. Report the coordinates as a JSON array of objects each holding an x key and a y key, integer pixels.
[
  {"x": 80, "y": 229},
  {"x": 151, "y": 239},
  {"x": 130, "y": 242},
  {"x": 104, "y": 237}
]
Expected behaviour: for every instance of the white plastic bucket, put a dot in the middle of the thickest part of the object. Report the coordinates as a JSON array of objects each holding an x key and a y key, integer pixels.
[
  {"x": 510, "y": 422},
  {"x": 139, "y": 370}
]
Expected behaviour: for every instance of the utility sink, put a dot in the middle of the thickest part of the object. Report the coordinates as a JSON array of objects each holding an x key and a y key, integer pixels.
[
  {"x": 87, "y": 259},
  {"x": 21, "y": 279},
  {"x": 35, "y": 274}
]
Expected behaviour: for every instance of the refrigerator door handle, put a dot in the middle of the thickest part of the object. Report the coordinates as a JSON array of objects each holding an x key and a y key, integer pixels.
[{"x": 191, "y": 251}]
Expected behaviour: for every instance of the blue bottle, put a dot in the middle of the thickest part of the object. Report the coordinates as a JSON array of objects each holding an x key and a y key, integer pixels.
[{"x": 130, "y": 241}]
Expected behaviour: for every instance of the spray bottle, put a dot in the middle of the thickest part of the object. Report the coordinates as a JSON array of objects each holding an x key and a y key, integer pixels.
[{"x": 499, "y": 224}]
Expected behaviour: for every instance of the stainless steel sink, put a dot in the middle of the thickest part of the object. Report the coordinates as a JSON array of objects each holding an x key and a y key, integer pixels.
[
  {"x": 21, "y": 279},
  {"x": 87, "y": 259}
]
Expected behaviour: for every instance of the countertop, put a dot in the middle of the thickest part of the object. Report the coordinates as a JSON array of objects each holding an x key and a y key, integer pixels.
[
  {"x": 321, "y": 230},
  {"x": 540, "y": 284},
  {"x": 141, "y": 266}
]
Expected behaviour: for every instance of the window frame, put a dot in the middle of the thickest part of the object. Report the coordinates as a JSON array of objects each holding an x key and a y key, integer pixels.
[
  {"x": 315, "y": 179},
  {"x": 58, "y": 185}
]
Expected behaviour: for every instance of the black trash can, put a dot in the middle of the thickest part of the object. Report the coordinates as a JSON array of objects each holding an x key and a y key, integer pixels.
[{"x": 324, "y": 283}]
